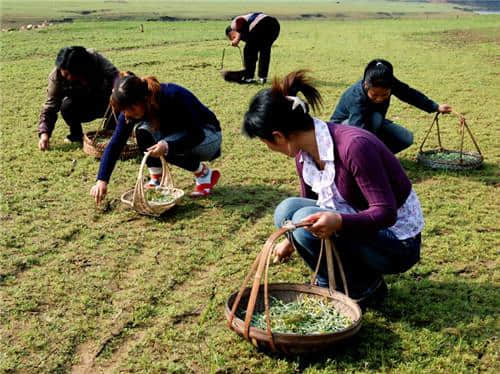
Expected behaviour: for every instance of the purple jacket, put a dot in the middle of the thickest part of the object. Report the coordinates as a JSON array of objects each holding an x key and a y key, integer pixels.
[{"x": 368, "y": 176}]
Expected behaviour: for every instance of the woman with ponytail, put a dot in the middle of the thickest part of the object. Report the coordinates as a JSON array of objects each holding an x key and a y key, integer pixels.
[
  {"x": 353, "y": 189},
  {"x": 366, "y": 102},
  {"x": 168, "y": 120}
]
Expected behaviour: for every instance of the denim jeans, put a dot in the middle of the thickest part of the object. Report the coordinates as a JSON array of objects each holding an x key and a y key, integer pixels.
[
  {"x": 364, "y": 258},
  {"x": 207, "y": 150},
  {"x": 394, "y": 136}
]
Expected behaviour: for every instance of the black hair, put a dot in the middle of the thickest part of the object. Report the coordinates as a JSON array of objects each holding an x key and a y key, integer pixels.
[
  {"x": 77, "y": 60},
  {"x": 228, "y": 30},
  {"x": 130, "y": 90},
  {"x": 270, "y": 110},
  {"x": 379, "y": 73}
]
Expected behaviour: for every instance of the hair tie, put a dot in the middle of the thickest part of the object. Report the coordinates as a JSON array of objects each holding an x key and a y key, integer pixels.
[{"x": 296, "y": 101}]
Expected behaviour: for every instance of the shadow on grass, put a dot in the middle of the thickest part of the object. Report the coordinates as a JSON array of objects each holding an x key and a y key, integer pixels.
[
  {"x": 488, "y": 174},
  {"x": 458, "y": 309}
]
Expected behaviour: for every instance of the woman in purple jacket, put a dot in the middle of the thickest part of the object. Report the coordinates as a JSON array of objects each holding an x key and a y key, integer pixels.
[{"x": 353, "y": 190}]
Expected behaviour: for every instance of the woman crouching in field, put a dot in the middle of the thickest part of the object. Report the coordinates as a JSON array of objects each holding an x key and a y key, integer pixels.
[
  {"x": 353, "y": 189},
  {"x": 79, "y": 87},
  {"x": 365, "y": 105},
  {"x": 168, "y": 120}
]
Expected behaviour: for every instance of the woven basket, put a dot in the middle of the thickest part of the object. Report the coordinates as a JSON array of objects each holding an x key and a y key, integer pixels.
[
  {"x": 428, "y": 158},
  {"x": 92, "y": 148},
  {"x": 136, "y": 198},
  {"x": 256, "y": 299}
]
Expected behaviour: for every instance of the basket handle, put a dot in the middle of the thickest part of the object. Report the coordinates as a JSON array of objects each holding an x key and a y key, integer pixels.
[
  {"x": 104, "y": 122},
  {"x": 261, "y": 265},
  {"x": 166, "y": 179},
  {"x": 224, "y": 54},
  {"x": 463, "y": 125}
]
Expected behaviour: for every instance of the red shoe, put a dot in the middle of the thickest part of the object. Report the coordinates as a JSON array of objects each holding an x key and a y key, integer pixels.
[{"x": 205, "y": 189}]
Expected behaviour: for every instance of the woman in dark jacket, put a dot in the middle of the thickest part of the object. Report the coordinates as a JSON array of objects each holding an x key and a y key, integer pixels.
[
  {"x": 168, "y": 120},
  {"x": 258, "y": 31},
  {"x": 79, "y": 87},
  {"x": 354, "y": 190},
  {"x": 366, "y": 102}
]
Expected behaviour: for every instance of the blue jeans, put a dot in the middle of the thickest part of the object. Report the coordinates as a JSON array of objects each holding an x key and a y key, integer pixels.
[
  {"x": 207, "y": 150},
  {"x": 364, "y": 257},
  {"x": 394, "y": 136}
]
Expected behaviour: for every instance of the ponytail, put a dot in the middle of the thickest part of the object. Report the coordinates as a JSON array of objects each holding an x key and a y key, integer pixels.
[{"x": 280, "y": 109}]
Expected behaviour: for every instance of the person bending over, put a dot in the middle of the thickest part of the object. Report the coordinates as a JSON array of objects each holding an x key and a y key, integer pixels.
[
  {"x": 168, "y": 120},
  {"x": 79, "y": 87},
  {"x": 353, "y": 190},
  {"x": 366, "y": 102},
  {"x": 258, "y": 31}
]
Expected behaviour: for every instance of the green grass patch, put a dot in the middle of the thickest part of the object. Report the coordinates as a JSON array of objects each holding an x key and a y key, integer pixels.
[{"x": 82, "y": 286}]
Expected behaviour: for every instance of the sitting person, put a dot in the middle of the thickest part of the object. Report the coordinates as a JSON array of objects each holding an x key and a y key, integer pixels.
[
  {"x": 79, "y": 87},
  {"x": 353, "y": 190},
  {"x": 168, "y": 120},
  {"x": 366, "y": 102},
  {"x": 258, "y": 31}
]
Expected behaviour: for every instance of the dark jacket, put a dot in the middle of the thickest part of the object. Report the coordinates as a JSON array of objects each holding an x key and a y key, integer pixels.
[
  {"x": 368, "y": 176},
  {"x": 180, "y": 113},
  {"x": 58, "y": 88},
  {"x": 356, "y": 108}
]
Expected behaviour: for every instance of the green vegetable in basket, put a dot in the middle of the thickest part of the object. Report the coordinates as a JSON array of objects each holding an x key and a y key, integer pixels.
[
  {"x": 451, "y": 156},
  {"x": 306, "y": 315},
  {"x": 101, "y": 139},
  {"x": 158, "y": 196}
]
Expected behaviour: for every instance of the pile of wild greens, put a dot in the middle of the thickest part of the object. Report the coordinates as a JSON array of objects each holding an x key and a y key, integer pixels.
[
  {"x": 158, "y": 196},
  {"x": 305, "y": 316}
]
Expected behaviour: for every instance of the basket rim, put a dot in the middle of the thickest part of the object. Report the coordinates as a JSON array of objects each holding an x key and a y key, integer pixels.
[
  {"x": 422, "y": 156},
  {"x": 254, "y": 332}
]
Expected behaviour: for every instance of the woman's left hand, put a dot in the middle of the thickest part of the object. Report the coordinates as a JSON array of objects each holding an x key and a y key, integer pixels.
[
  {"x": 324, "y": 224},
  {"x": 159, "y": 149},
  {"x": 445, "y": 108}
]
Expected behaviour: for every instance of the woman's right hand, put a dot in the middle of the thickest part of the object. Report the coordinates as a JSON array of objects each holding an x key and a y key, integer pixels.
[
  {"x": 44, "y": 143},
  {"x": 282, "y": 251},
  {"x": 99, "y": 190}
]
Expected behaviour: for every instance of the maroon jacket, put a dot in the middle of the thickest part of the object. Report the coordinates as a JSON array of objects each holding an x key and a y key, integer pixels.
[{"x": 368, "y": 176}]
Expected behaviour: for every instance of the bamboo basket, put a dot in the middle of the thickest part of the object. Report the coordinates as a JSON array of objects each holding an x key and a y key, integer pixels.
[
  {"x": 92, "y": 148},
  {"x": 136, "y": 198},
  {"x": 256, "y": 299},
  {"x": 428, "y": 158}
]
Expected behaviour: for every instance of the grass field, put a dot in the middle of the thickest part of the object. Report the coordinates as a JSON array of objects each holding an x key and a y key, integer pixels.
[{"x": 88, "y": 289}]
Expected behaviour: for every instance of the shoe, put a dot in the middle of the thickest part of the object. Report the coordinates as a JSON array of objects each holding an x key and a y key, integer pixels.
[
  {"x": 73, "y": 139},
  {"x": 152, "y": 184},
  {"x": 262, "y": 80},
  {"x": 373, "y": 296},
  {"x": 205, "y": 189},
  {"x": 247, "y": 80}
]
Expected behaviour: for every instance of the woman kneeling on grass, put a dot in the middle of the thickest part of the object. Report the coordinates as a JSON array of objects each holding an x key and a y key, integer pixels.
[
  {"x": 366, "y": 102},
  {"x": 353, "y": 190},
  {"x": 168, "y": 120}
]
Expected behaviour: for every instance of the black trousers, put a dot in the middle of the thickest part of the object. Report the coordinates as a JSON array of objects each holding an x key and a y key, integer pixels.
[
  {"x": 78, "y": 109},
  {"x": 258, "y": 46}
]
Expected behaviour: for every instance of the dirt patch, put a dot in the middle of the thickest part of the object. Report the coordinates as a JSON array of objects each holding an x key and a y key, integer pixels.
[
  {"x": 201, "y": 65},
  {"x": 462, "y": 37},
  {"x": 146, "y": 63},
  {"x": 312, "y": 15},
  {"x": 62, "y": 20}
]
